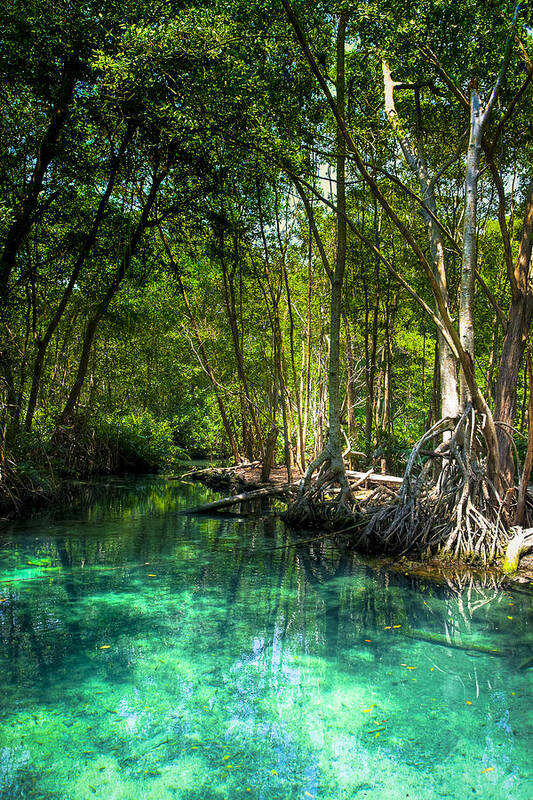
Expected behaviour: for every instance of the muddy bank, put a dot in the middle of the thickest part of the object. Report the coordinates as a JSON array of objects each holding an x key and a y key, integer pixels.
[{"x": 243, "y": 477}]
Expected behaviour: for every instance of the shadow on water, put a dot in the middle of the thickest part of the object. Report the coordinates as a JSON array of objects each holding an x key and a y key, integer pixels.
[{"x": 148, "y": 654}]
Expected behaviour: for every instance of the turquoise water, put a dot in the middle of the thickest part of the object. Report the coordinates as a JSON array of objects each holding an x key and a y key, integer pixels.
[{"x": 144, "y": 654}]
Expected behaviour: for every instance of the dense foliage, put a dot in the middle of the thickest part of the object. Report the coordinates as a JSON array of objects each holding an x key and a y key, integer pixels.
[{"x": 168, "y": 192}]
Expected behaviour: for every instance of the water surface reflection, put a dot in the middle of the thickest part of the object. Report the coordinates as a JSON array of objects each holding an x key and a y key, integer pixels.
[{"x": 149, "y": 654}]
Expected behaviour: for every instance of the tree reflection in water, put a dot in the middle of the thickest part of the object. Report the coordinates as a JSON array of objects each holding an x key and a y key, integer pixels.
[{"x": 145, "y": 653}]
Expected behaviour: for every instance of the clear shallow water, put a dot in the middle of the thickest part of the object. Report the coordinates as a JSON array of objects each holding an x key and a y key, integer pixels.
[{"x": 147, "y": 655}]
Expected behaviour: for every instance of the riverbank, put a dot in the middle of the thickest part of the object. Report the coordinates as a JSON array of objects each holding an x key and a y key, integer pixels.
[
  {"x": 242, "y": 484},
  {"x": 247, "y": 477},
  {"x": 40, "y": 468}
]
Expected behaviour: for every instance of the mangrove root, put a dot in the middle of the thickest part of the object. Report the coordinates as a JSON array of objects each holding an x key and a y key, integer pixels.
[
  {"x": 521, "y": 542},
  {"x": 447, "y": 503},
  {"x": 327, "y": 502}
]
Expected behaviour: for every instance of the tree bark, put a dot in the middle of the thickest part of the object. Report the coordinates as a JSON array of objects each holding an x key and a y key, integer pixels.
[
  {"x": 514, "y": 343},
  {"x": 416, "y": 161},
  {"x": 335, "y": 442},
  {"x": 42, "y": 343},
  {"x": 113, "y": 288},
  {"x": 466, "y": 304},
  {"x": 203, "y": 353},
  {"x": 25, "y": 213}
]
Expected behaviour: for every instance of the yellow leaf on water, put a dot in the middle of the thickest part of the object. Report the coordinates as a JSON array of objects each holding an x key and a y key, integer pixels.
[
  {"x": 488, "y": 769},
  {"x": 308, "y": 794},
  {"x": 368, "y": 640},
  {"x": 396, "y": 626},
  {"x": 509, "y": 617},
  {"x": 274, "y": 772},
  {"x": 105, "y": 647},
  {"x": 376, "y": 735},
  {"x": 150, "y": 575},
  {"x": 469, "y": 702},
  {"x": 226, "y": 758}
]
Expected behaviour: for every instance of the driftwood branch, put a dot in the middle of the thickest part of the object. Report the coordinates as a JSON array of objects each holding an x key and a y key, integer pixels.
[
  {"x": 227, "y": 502},
  {"x": 196, "y": 473},
  {"x": 371, "y": 477}
]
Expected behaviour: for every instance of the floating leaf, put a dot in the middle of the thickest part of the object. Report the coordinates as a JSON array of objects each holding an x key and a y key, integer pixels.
[
  {"x": 488, "y": 769},
  {"x": 105, "y": 646}
]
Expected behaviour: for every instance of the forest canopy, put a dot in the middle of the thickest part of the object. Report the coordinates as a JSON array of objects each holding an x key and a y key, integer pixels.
[{"x": 220, "y": 222}]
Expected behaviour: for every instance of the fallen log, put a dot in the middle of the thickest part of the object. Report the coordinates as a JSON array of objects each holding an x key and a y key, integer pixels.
[
  {"x": 441, "y": 641},
  {"x": 233, "y": 500},
  {"x": 219, "y": 470},
  {"x": 374, "y": 477},
  {"x": 361, "y": 480}
]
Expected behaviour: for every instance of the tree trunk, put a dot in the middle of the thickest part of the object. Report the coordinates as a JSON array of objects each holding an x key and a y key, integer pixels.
[
  {"x": 229, "y": 297},
  {"x": 24, "y": 215},
  {"x": 466, "y": 304},
  {"x": 42, "y": 344},
  {"x": 514, "y": 343},
  {"x": 270, "y": 451},
  {"x": 335, "y": 441},
  {"x": 203, "y": 353},
  {"x": 102, "y": 307},
  {"x": 417, "y": 163},
  {"x": 528, "y": 463}
]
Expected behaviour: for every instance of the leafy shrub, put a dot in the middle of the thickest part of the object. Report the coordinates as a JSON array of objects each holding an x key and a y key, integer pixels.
[{"x": 141, "y": 440}]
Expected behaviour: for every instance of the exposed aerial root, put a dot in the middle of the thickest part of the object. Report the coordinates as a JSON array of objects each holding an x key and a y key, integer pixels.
[
  {"x": 447, "y": 504},
  {"x": 326, "y": 503}
]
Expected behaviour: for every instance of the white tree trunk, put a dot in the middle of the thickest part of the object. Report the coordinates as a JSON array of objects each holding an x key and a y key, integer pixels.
[
  {"x": 416, "y": 161},
  {"x": 466, "y": 300}
]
